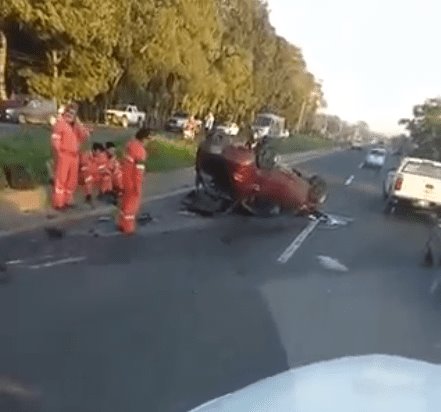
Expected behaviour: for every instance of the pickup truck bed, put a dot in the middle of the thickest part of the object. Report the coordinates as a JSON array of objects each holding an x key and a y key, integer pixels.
[{"x": 416, "y": 183}]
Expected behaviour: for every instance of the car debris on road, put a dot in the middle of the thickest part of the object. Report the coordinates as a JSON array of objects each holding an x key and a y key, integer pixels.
[{"x": 331, "y": 264}]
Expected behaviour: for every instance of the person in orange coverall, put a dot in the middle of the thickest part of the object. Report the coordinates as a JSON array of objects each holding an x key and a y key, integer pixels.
[
  {"x": 93, "y": 170},
  {"x": 67, "y": 136},
  {"x": 114, "y": 168},
  {"x": 133, "y": 168}
]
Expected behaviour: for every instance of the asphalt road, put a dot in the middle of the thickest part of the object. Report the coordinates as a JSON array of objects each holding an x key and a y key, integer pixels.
[{"x": 192, "y": 308}]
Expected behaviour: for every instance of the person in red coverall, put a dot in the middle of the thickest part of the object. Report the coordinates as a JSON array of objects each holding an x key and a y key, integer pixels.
[
  {"x": 67, "y": 136},
  {"x": 114, "y": 168},
  {"x": 93, "y": 170},
  {"x": 132, "y": 177}
]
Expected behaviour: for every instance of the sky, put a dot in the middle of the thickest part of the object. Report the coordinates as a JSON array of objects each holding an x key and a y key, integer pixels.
[{"x": 376, "y": 58}]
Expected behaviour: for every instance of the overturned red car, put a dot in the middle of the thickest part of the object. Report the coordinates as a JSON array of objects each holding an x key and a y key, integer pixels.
[{"x": 233, "y": 176}]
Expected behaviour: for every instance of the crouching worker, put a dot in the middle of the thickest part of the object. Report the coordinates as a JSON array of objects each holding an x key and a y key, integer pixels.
[
  {"x": 93, "y": 171},
  {"x": 114, "y": 169},
  {"x": 133, "y": 167}
]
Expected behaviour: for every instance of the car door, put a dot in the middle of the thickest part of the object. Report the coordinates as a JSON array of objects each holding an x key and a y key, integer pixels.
[{"x": 135, "y": 114}]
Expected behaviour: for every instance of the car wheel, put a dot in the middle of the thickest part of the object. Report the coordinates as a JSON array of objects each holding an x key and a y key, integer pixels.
[
  {"x": 125, "y": 122},
  {"x": 428, "y": 260},
  {"x": 389, "y": 208},
  {"x": 21, "y": 119}
]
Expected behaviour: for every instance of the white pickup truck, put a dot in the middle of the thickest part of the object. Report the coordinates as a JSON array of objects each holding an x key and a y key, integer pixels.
[
  {"x": 125, "y": 115},
  {"x": 416, "y": 183}
]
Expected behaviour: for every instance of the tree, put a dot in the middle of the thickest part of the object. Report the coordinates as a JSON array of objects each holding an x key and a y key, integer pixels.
[
  {"x": 163, "y": 55},
  {"x": 425, "y": 127},
  {"x": 76, "y": 43}
]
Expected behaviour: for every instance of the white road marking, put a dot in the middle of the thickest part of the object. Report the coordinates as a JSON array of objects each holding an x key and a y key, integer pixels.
[
  {"x": 187, "y": 213},
  {"x": 297, "y": 242},
  {"x": 14, "y": 262},
  {"x": 58, "y": 262},
  {"x": 349, "y": 180},
  {"x": 435, "y": 285},
  {"x": 360, "y": 166},
  {"x": 330, "y": 263}
]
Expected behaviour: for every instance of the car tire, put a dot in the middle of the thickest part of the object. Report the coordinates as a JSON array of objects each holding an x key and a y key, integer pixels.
[
  {"x": 389, "y": 208},
  {"x": 125, "y": 122},
  {"x": 21, "y": 119},
  {"x": 428, "y": 260}
]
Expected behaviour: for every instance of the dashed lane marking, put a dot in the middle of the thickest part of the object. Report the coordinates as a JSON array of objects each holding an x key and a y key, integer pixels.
[
  {"x": 58, "y": 262},
  {"x": 297, "y": 242},
  {"x": 349, "y": 180}
]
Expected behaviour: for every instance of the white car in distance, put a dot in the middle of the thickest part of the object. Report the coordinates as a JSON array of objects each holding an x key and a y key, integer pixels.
[{"x": 376, "y": 158}]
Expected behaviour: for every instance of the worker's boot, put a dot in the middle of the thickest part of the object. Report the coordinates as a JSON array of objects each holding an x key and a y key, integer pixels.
[{"x": 89, "y": 201}]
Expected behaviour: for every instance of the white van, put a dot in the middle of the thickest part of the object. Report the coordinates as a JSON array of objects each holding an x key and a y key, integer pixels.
[{"x": 271, "y": 125}]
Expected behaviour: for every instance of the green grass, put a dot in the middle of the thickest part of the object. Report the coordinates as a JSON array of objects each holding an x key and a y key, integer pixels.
[
  {"x": 168, "y": 155},
  {"x": 31, "y": 147},
  {"x": 302, "y": 143}
]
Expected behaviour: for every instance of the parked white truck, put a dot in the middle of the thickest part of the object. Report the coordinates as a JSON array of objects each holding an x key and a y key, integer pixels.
[
  {"x": 125, "y": 115},
  {"x": 271, "y": 125},
  {"x": 415, "y": 183}
]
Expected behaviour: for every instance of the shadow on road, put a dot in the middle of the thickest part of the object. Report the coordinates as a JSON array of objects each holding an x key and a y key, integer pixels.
[{"x": 153, "y": 334}]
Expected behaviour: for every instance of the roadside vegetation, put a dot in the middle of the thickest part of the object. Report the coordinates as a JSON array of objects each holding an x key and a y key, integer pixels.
[
  {"x": 220, "y": 55},
  {"x": 31, "y": 148},
  {"x": 302, "y": 143},
  {"x": 424, "y": 127}
]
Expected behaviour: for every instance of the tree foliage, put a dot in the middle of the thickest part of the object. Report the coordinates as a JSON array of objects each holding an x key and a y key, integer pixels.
[
  {"x": 196, "y": 55},
  {"x": 424, "y": 128}
]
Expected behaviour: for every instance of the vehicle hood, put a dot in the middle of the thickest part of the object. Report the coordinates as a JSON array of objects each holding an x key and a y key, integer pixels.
[{"x": 374, "y": 383}]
